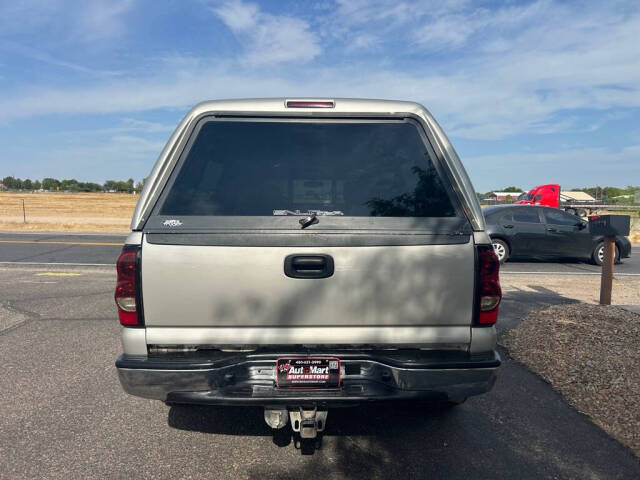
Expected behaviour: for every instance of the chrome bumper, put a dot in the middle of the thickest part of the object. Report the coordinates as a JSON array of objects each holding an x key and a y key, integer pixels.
[{"x": 250, "y": 379}]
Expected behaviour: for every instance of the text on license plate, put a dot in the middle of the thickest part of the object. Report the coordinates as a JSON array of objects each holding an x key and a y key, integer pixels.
[{"x": 308, "y": 372}]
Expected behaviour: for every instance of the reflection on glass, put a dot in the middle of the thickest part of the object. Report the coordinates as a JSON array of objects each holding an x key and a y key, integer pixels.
[
  {"x": 419, "y": 203},
  {"x": 358, "y": 168}
]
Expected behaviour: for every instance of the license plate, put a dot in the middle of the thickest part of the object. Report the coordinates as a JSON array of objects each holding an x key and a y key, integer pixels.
[{"x": 308, "y": 372}]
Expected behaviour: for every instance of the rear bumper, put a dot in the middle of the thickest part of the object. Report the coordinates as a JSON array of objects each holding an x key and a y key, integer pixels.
[{"x": 249, "y": 379}]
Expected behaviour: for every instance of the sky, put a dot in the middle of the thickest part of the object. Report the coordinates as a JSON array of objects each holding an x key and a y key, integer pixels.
[{"x": 529, "y": 92}]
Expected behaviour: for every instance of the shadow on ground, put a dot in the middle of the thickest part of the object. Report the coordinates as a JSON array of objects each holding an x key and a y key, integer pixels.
[
  {"x": 517, "y": 304},
  {"x": 520, "y": 429},
  {"x": 366, "y": 419}
]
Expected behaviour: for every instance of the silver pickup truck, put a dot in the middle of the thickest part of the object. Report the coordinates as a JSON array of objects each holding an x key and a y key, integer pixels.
[{"x": 301, "y": 254}]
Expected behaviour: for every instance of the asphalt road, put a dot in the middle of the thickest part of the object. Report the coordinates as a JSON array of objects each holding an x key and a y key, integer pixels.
[
  {"x": 64, "y": 415},
  {"x": 104, "y": 249},
  {"x": 60, "y": 248}
]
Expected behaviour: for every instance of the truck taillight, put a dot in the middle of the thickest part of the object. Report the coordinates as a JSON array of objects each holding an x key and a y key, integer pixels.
[
  {"x": 488, "y": 288},
  {"x": 126, "y": 295}
]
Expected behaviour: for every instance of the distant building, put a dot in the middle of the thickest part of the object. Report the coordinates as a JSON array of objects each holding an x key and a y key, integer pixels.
[
  {"x": 2, "y": 187},
  {"x": 502, "y": 196}
]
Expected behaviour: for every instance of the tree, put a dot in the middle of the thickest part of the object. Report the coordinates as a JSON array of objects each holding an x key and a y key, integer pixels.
[
  {"x": 37, "y": 185},
  {"x": 50, "y": 184},
  {"x": 27, "y": 184},
  {"x": 419, "y": 203},
  {"x": 91, "y": 187},
  {"x": 69, "y": 185},
  {"x": 119, "y": 185},
  {"x": 9, "y": 182},
  {"x": 140, "y": 185},
  {"x": 512, "y": 189},
  {"x": 12, "y": 183}
]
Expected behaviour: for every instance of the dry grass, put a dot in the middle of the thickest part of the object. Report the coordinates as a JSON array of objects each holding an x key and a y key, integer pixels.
[
  {"x": 112, "y": 205},
  {"x": 65, "y": 227},
  {"x": 635, "y": 230},
  {"x": 104, "y": 212}
]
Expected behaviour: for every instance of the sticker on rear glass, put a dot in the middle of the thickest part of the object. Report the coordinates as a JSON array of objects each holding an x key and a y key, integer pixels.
[{"x": 172, "y": 223}]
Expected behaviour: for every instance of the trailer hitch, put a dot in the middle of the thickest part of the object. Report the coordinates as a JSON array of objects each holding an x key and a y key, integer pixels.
[{"x": 306, "y": 423}]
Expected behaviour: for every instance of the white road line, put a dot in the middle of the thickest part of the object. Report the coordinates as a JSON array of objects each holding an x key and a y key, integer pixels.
[
  {"x": 615, "y": 274},
  {"x": 61, "y": 263}
]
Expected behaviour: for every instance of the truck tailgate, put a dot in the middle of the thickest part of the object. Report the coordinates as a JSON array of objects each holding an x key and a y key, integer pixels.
[{"x": 390, "y": 286}]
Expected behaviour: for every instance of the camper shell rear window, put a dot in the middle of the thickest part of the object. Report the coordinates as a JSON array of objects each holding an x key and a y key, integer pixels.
[{"x": 269, "y": 172}]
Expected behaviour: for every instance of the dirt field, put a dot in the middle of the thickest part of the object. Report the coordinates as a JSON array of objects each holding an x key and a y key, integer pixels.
[{"x": 86, "y": 212}]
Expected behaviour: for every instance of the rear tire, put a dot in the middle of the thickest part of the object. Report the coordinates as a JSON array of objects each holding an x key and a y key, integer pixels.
[
  {"x": 597, "y": 256},
  {"x": 501, "y": 249}
]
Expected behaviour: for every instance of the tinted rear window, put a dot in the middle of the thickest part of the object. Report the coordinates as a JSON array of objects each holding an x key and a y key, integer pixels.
[
  {"x": 556, "y": 217},
  {"x": 525, "y": 215},
  {"x": 266, "y": 168}
]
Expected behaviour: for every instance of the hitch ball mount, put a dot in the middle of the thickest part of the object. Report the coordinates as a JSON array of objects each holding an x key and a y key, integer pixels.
[{"x": 307, "y": 421}]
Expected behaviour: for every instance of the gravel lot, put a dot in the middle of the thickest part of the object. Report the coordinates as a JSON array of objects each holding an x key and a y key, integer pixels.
[
  {"x": 582, "y": 288},
  {"x": 588, "y": 353}
]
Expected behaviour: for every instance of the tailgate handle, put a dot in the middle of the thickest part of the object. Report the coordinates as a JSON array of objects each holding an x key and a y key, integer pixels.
[{"x": 308, "y": 266}]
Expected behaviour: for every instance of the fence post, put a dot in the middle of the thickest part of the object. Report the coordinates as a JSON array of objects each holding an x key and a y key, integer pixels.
[
  {"x": 24, "y": 213},
  {"x": 606, "y": 279}
]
